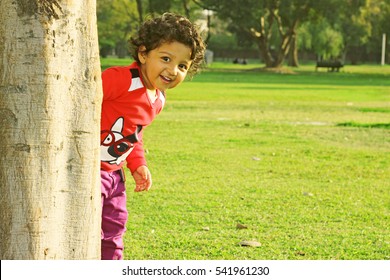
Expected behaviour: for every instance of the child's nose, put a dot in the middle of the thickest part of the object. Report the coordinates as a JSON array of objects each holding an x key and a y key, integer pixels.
[{"x": 173, "y": 70}]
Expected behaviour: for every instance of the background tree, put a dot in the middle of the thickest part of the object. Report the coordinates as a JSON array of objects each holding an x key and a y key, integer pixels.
[
  {"x": 186, "y": 4},
  {"x": 378, "y": 16},
  {"x": 159, "y": 6},
  {"x": 272, "y": 28},
  {"x": 50, "y": 96},
  {"x": 271, "y": 24},
  {"x": 353, "y": 22},
  {"x": 140, "y": 10},
  {"x": 320, "y": 38},
  {"x": 117, "y": 19},
  {"x": 184, "y": 7}
]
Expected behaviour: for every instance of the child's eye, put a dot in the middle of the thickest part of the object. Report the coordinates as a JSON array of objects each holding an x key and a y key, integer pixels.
[
  {"x": 165, "y": 59},
  {"x": 183, "y": 67}
]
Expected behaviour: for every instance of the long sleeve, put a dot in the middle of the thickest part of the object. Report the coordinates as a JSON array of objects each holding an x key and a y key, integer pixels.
[{"x": 137, "y": 155}]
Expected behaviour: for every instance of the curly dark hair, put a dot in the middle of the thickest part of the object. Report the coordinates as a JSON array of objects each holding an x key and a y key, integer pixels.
[{"x": 167, "y": 28}]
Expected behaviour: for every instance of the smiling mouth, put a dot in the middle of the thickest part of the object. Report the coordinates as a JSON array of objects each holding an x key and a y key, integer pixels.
[{"x": 166, "y": 79}]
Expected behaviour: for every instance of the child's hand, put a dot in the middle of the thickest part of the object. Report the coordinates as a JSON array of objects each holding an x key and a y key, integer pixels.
[{"x": 142, "y": 178}]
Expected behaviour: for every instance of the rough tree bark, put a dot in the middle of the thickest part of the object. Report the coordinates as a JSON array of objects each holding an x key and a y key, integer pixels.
[{"x": 50, "y": 98}]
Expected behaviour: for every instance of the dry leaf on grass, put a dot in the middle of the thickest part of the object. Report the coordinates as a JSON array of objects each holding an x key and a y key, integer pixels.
[
  {"x": 250, "y": 244},
  {"x": 241, "y": 226},
  {"x": 308, "y": 194}
]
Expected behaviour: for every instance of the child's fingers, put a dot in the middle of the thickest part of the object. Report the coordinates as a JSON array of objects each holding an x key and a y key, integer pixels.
[
  {"x": 142, "y": 186},
  {"x": 144, "y": 179},
  {"x": 138, "y": 188}
]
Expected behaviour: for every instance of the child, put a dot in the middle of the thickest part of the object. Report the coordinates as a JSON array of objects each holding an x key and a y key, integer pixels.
[{"x": 166, "y": 49}]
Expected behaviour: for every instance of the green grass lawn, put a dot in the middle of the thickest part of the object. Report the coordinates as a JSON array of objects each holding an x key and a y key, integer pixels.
[{"x": 302, "y": 160}]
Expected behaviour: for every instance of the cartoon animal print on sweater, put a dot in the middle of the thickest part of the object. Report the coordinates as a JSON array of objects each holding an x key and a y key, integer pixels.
[{"x": 114, "y": 146}]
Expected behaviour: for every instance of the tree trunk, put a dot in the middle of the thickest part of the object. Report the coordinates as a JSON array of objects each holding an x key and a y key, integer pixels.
[
  {"x": 140, "y": 11},
  {"x": 266, "y": 54},
  {"x": 274, "y": 58},
  {"x": 261, "y": 38},
  {"x": 186, "y": 8},
  {"x": 293, "y": 53},
  {"x": 50, "y": 98}
]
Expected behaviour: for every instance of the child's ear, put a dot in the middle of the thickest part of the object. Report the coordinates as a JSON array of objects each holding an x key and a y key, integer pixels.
[{"x": 142, "y": 54}]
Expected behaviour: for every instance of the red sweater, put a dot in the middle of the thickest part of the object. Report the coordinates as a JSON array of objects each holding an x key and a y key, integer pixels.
[{"x": 126, "y": 107}]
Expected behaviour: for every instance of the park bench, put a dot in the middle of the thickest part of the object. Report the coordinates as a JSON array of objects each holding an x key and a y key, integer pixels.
[{"x": 332, "y": 66}]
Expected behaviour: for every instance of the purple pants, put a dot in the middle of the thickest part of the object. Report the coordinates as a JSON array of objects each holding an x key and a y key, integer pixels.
[{"x": 114, "y": 215}]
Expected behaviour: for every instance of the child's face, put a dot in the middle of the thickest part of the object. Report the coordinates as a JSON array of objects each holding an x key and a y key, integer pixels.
[{"x": 166, "y": 66}]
